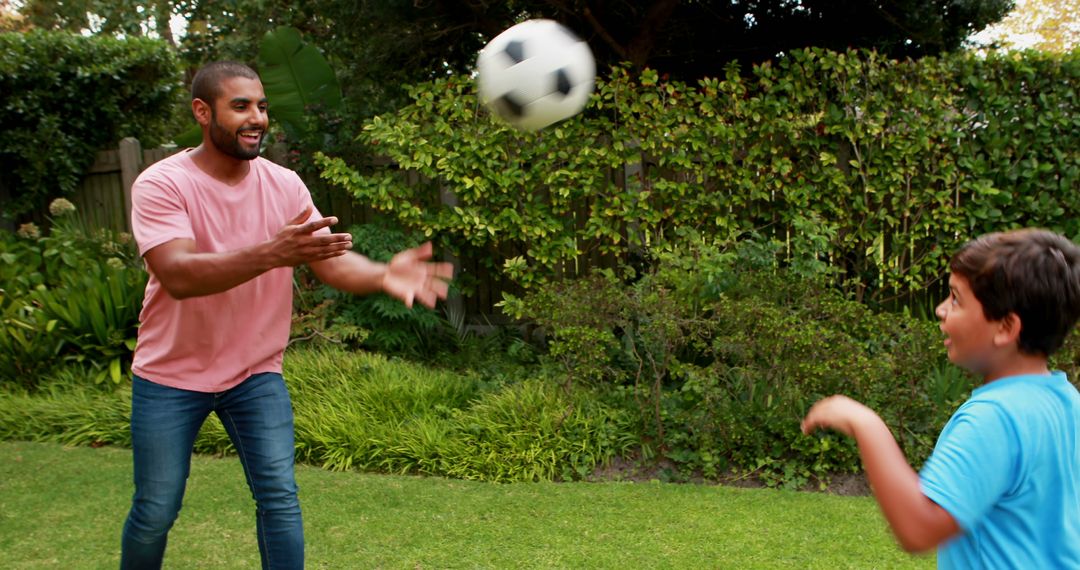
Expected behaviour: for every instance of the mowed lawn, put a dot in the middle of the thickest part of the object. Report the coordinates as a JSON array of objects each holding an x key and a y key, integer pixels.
[{"x": 64, "y": 507}]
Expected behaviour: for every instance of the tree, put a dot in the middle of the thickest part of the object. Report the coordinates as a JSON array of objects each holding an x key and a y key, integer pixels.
[
  {"x": 685, "y": 38},
  {"x": 375, "y": 45},
  {"x": 131, "y": 18},
  {"x": 1047, "y": 25},
  {"x": 10, "y": 19}
]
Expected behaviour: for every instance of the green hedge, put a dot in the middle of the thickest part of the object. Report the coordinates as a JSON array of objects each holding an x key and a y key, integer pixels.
[
  {"x": 879, "y": 167},
  {"x": 65, "y": 96}
]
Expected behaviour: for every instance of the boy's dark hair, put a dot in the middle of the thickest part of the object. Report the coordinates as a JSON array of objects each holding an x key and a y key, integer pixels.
[
  {"x": 206, "y": 84},
  {"x": 1033, "y": 273}
]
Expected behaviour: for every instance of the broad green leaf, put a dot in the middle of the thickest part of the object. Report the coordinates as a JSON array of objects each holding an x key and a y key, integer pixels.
[{"x": 295, "y": 76}]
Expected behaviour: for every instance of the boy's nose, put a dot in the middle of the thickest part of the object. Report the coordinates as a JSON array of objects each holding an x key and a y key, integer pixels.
[{"x": 942, "y": 309}]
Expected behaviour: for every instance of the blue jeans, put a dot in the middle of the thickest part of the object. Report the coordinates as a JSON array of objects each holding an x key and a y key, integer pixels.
[{"x": 257, "y": 415}]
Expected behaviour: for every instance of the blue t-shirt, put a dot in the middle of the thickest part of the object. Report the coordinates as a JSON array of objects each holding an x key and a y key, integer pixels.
[{"x": 1007, "y": 468}]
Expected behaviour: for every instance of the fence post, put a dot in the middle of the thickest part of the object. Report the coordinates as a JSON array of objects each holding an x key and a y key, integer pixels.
[{"x": 131, "y": 164}]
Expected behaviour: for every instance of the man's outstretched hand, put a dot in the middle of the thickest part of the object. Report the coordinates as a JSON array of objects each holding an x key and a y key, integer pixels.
[
  {"x": 297, "y": 242},
  {"x": 410, "y": 276}
]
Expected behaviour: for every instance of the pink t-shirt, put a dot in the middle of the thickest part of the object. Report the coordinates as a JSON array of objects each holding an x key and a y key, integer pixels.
[{"x": 214, "y": 342}]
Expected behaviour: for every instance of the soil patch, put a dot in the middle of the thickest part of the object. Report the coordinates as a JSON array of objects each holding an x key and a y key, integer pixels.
[{"x": 634, "y": 470}]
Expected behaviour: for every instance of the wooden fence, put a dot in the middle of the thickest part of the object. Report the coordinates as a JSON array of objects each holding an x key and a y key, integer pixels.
[{"x": 104, "y": 199}]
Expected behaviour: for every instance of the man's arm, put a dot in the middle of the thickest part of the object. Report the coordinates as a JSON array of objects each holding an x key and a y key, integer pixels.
[
  {"x": 918, "y": 523},
  {"x": 185, "y": 272},
  {"x": 409, "y": 276}
]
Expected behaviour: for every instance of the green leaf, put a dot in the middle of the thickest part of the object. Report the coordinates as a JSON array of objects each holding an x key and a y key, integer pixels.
[
  {"x": 114, "y": 370},
  {"x": 295, "y": 76},
  {"x": 190, "y": 138}
]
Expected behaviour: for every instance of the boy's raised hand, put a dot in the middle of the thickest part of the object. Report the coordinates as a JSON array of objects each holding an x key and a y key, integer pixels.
[{"x": 836, "y": 412}]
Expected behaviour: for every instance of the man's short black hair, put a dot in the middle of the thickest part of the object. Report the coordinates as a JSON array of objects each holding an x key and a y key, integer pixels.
[
  {"x": 207, "y": 82},
  {"x": 1033, "y": 273}
]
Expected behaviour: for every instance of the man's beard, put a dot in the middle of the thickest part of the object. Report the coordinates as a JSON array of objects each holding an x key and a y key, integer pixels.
[{"x": 229, "y": 143}]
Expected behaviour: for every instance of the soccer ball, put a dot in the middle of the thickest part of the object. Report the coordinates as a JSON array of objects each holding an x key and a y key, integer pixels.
[{"x": 535, "y": 74}]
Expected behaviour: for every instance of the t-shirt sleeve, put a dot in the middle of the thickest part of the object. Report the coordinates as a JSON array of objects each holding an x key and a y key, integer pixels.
[
  {"x": 973, "y": 464},
  {"x": 158, "y": 213}
]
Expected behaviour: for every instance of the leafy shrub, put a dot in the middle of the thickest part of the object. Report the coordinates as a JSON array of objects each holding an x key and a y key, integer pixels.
[
  {"x": 64, "y": 96},
  {"x": 98, "y": 313},
  {"x": 378, "y": 322},
  {"x": 73, "y": 294},
  {"x": 767, "y": 362},
  {"x": 722, "y": 352},
  {"x": 891, "y": 163}
]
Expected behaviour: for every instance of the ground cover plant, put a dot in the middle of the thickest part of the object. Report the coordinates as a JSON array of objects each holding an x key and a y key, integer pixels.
[
  {"x": 363, "y": 411},
  {"x": 63, "y": 507}
]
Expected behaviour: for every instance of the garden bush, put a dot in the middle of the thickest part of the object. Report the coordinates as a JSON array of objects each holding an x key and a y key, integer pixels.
[
  {"x": 64, "y": 96},
  {"x": 891, "y": 164},
  {"x": 378, "y": 321},
  {"x": 721, "y": 354}
]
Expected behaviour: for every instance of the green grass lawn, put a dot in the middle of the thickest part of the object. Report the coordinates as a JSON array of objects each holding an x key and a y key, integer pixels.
[{"x": 63, "y": 507}]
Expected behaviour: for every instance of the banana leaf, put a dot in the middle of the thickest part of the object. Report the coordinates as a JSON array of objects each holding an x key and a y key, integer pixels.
[{"x": 295, "y": 76}]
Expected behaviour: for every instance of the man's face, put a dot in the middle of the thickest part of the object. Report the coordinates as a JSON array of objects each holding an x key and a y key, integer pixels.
[{"x": 238, "y": 118}]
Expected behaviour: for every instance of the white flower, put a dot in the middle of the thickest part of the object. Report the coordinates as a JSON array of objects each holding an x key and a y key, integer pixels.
[
  {"x": 61, "y": 206},
  {"x": 28, "y": 231}
]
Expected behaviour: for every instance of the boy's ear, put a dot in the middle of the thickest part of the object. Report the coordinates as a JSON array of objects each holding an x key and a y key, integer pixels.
[{"x": 1008, "y": 330}]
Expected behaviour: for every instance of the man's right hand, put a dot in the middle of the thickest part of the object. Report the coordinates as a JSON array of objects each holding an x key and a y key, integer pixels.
[
  {"x": 297, "y": 243},
  {"x": 186, "y": 272}
]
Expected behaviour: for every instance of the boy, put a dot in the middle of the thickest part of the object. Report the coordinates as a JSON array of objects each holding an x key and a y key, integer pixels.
[{"x": 1002, "y": 486}]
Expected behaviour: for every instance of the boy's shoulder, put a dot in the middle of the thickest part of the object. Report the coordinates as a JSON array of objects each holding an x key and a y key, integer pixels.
[
  {"x": 1055, "y": 381},
  {"x": 1036, "y": 397}
]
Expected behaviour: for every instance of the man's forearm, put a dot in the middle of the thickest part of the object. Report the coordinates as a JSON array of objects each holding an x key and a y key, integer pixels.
[
  {"x": 352, "y": 273},
  {"x": 193, "y": 274}
]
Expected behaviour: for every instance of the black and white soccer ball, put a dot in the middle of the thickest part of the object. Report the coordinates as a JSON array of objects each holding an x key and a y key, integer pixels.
[{"x": 535, "y": 74}]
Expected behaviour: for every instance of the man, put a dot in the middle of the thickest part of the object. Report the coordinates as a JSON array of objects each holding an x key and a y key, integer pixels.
[{"x": 220, "y": 229}]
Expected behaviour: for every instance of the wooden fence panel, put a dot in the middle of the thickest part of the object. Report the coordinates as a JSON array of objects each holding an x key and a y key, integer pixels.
[
  {"x": 104, "y": 197},
  {"x": 101, "y": 201}
]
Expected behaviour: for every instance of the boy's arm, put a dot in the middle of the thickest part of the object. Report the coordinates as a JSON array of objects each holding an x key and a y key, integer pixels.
[{"x": 918, "y": 523}]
